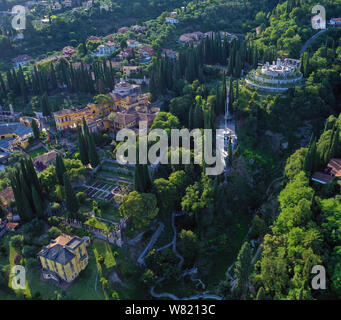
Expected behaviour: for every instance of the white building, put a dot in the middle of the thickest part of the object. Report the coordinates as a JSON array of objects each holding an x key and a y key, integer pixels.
[
  {"x": 172, "y": 20},
  {"x": 335, "y": 22},
  {"x": 133, "y": 44},
  {"x": 277, "y": 77},
  {"x": 105, "y": 49}
]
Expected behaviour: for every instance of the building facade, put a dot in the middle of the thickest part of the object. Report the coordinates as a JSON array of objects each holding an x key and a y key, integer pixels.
[{"x": 64, "y": 258}]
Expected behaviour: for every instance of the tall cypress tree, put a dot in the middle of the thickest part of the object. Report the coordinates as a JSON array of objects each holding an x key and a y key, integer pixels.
[
  {"x": 35, "y": 129},
  {"x": 93, "y": 155},
  {"x": 71, "y": 201},
  {"x": 37, "y": 203},
  {"x": 82, "y": 147},
  {"x": 143, "y": 182},
  {"x": 230, "y": 153},
  {"x": 242, "y": 270},
  {"x": 60, "y": 169}
]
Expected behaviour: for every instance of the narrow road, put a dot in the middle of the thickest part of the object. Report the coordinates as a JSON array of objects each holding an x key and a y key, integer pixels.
[
  {"x": 151, "y": 242},
  {"x": 311, "y": 40},
  {"x": 194, "y": 270}
]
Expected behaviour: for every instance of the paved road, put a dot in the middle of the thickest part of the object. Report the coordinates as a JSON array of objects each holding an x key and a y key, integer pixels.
[
  {"x": 311, "y": 40},
  {"x": 151, "y": 242}
]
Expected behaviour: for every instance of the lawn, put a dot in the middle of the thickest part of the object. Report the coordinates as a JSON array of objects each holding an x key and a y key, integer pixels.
[
  {"x": 36, "y": 152},
  {"x": 86, "y": 286},
  {"x": 93, "y": 222},
  {"x": 111, "y": 213}
]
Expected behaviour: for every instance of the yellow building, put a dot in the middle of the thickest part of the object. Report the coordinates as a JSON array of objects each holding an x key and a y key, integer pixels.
[
  {"x": 64, "y": 258},
  {"x": 14, "y": 134},
  {"x": 27, "y": 121},
  {"x": 71, "y": 118}
]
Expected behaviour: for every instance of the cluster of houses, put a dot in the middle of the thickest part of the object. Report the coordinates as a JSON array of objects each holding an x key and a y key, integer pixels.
[
  {"x": 25, "y": 59},
  {"x": 195, "y": 37},
  {"x": 172, "y": 19},
  {"x": 65, "y": 4},
  {"x": 143, "y": 53},
  {"x": 128, "y": 107}
]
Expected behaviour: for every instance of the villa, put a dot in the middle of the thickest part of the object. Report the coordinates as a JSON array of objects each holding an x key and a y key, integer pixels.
[
  {"x": 276, "y": 78},
  {"x": 171, "y": 20},
  {"x": 105, "y": 49},
  {"x": 64, "y": 259},
  {"x": 126, "y": 98}
]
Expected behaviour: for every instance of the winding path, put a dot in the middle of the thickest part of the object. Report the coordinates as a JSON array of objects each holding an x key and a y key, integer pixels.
[
  {"x": 186, "y": 272},
  {"x": 312, "y": 39},
  {"x": 151, "y": 242}
]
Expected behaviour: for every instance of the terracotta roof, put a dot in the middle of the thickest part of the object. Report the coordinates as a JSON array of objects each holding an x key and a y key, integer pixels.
[
  {"x": 335, "y": 166},
  {"x": 124, "y": 118},
  {"x": 148, "y": 49},
  {"x": 7, "y": 195},
  {"x": 12, "y": 225},
  {"x": 48, "y": 156},
  {"x": 123, "y": 30},
  {"x": 58, "y": 249}
]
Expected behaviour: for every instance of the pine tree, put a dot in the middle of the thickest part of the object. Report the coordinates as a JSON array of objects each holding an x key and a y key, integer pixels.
[{"x": 71, "y": 201}]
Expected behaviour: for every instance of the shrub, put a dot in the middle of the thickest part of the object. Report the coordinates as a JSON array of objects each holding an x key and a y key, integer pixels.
[
  {"x": 54, "y": 232},
  {"x": 29, "y": 251},
  {"x": 17, "y": 242}
]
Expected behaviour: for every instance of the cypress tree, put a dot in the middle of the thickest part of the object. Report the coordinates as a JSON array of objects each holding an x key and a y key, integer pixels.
[
  {"x": 35, "y": 129},
  {"x": 143, "y": 182},
  {"x": 82, "y": 147},
  {"x": 93, "y": 155},
  {"x": 37, "y": 203},
  {"x": 242, "y": 270},
  {"x": 230, "y": 153},
  {"x": 60, "y": 169},
  {"x": 71, "y": 201}
]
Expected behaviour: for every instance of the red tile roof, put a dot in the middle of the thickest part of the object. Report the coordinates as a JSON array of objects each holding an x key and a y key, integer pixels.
[{"x": 335, "y": 166}]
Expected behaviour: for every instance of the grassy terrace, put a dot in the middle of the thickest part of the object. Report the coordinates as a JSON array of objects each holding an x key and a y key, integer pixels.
[{"x": 36, "y": 152}]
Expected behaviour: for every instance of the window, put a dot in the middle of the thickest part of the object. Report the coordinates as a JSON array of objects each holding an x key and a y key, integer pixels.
[{"x": 72, "y": 268}]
